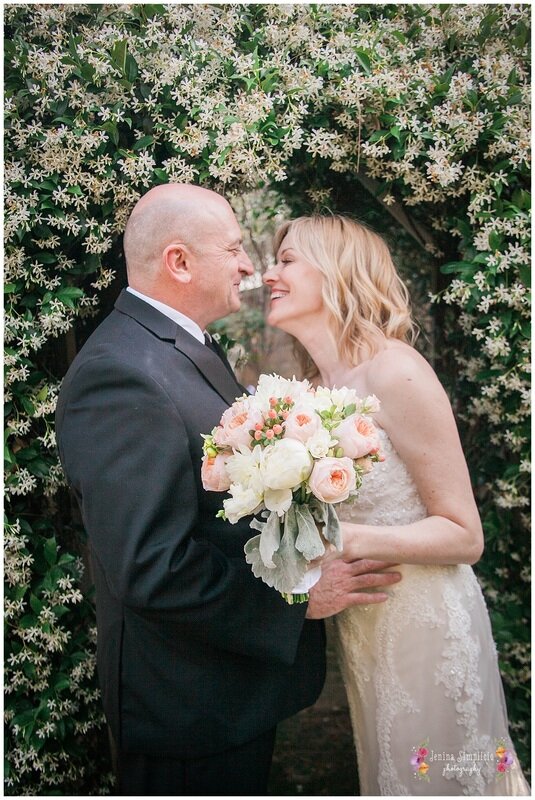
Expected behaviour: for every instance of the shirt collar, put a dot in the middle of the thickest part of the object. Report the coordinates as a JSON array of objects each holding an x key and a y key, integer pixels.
[{"x": 185, "y": 322}]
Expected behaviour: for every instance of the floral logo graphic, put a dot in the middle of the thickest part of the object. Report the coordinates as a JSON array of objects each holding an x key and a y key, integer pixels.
[
  {"x": 505, "y": 759},
  {"x": 419, "y": 766}
]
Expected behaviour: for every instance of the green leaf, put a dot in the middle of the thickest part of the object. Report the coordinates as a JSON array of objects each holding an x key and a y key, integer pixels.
[
  {"x": 364, "y": 60},
  {"x": 131, "y": 68},
  {"x": 522, "y": 34},
  {"x": 308, "y": 540},
  {"x": 27, "y": 621},
  {"x": 61, "y": 681},
  {"x": 42, "y": 394},
  {"x": 378, "y": 136},
  {"x": 118, "y": 54},
  {"x": 36, "y": 604},
  {"x": 87, "y": 71},
  {"x": 152, "y": 9},
  {"x": 222, "y": 156},
  {"x": 25, "y": 718},
  {"x": 524, "y": 271},
  {"x": 73, "y": 41},
  {"x": 111, "y": 128},
  {"x": 462, "y": 267},
  {"x": 400, "y": 36},
  {"x": 67, "y": 294},
  {"x": 39, "y": 467},
  {"x": 48, "y": 204},
  {"x": 47, "y": 258},
  {"x": 522, "y": 199},
  {"x": 50, "y": 551},
  {"x": 145, "y": 141},
  {"x": 495, "y": 240},
  {"x": 27, "y": 405}
]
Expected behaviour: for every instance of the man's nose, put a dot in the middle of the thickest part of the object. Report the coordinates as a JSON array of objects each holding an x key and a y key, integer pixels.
[{"x": 246, "y": 264}]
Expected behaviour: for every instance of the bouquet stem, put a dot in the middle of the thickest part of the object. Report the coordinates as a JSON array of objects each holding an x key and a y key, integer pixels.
[{"x": 291, "y": 598}]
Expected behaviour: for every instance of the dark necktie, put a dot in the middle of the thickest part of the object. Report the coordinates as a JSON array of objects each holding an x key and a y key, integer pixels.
[{"x": 218, "y": 350}]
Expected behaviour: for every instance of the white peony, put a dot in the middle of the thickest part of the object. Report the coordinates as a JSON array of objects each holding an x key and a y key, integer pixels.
[
  {"x": 275, "y": 386},
  {"x": 246, "y": 468},
  {"x": 243, "y": 502},
  {"x": 278, "y": 500},
  {"x": 287, "y": 463},
  {"x": 319, "y": 443}
]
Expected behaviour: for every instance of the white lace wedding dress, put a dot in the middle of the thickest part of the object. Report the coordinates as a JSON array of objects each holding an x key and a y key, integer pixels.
[{"x": 421, "y": 669}]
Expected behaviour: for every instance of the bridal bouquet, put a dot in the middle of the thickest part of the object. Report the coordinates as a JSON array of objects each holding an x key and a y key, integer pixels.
[{"x": 291, "y": 452}]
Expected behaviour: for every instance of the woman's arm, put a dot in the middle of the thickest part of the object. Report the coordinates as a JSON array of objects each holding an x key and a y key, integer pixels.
[{"x": 417, "y": 416}]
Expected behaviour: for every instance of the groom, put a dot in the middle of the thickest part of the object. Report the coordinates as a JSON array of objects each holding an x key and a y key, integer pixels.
[{"x": 197, "y": 659}]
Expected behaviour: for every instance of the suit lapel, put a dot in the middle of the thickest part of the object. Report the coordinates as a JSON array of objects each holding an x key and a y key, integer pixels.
[{"x": 208, "y": 363}]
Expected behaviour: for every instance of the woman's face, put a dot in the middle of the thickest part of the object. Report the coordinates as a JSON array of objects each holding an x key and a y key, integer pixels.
[{"x": 296, "y": 290}]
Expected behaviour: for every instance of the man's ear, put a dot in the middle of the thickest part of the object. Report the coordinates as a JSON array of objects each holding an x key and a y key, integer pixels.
[{"x": 176, "y": 261}]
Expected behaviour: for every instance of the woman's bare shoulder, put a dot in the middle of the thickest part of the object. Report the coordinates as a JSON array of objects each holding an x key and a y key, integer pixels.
[{"x": 398, "y": 361}]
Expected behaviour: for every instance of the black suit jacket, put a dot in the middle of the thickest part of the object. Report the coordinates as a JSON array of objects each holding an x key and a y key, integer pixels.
[{"x": 194, "y": 654}]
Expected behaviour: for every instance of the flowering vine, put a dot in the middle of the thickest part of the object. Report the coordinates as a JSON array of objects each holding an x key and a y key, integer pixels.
[{"x": 426, "y": 107}]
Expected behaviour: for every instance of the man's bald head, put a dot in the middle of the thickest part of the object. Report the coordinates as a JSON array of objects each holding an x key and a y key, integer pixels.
[{"x": 172, "y": 212}]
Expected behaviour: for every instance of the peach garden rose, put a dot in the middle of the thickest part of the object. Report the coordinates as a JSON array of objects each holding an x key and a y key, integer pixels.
[
  {"x": 357, "y": 436},
  {"x": 214, "y": 474},
  {"x": 302, "y": 423},
  {"x": 332, "y": 479},
  {"x": 236, "y": 425}
]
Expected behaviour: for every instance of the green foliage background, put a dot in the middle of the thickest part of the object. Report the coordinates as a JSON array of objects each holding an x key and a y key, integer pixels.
[{"x": 416, "y": 117}]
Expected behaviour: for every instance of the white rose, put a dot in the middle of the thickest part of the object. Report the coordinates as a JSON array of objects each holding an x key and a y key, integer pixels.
[
  {"x": 322, "y": 399},
  {"x": 243, "y": 502},
  {"x": 318, "y": 445},
  {"x": 343, "y": 397},
  {"x": 287, "y": 463},
  {"x": 340, "y": 398},
  {"x": 370, "y": 405}
]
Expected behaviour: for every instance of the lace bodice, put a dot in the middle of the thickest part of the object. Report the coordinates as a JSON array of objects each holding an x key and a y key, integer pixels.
[{"x": 388, "y": 495}]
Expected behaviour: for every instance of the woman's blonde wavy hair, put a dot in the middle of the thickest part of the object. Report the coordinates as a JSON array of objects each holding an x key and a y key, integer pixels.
[{"x": 367, "y": 299}]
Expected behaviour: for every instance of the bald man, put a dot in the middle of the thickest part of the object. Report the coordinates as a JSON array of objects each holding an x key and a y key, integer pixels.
[{"x": 197, "y": 659}]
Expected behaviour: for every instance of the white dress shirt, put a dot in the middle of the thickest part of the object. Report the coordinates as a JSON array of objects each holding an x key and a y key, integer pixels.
[{"x": 185, "y": 322}]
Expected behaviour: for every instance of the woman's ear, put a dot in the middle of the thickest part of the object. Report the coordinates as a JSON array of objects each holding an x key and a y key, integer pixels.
[{"x": 176, "y": 261}]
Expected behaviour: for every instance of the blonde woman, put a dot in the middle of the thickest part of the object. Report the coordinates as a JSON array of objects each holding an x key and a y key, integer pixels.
[{"x": 420, "y": 670}]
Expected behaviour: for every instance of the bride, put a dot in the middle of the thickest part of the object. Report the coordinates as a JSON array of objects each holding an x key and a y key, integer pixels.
[{"x": 420, "y": 670}]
